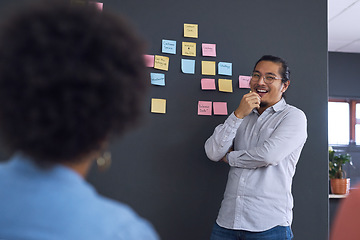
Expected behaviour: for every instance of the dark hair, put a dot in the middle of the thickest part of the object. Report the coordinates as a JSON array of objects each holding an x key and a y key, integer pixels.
[
  {"x": 284, "y": 72},
  {"x": 70, "y": 78}
]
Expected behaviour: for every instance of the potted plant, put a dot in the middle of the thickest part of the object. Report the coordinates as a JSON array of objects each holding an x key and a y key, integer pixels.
[{"x": 338, "y": 181}]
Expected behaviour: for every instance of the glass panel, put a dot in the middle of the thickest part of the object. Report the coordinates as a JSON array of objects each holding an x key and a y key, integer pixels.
[{"x": 338, "y": 123}]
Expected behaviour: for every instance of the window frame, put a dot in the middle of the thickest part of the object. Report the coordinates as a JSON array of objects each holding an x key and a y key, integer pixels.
[{"x": 352, "y": 118}]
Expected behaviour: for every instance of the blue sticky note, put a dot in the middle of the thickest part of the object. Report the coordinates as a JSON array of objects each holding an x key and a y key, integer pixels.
[
  {"x": 225, "y": 68},
  {"x": 188, "y": 66},
  {"x": 169, "y": 46},
  {"x": 158, "y": 79}
]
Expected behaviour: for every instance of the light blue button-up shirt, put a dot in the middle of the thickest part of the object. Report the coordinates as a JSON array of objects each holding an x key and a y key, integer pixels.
[
  {"x": 57, "y": 204},
  {"x": 267, "y": 148}
]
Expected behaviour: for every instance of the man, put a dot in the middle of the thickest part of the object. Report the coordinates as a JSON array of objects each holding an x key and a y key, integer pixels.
[{"x": 261, "y": 141}]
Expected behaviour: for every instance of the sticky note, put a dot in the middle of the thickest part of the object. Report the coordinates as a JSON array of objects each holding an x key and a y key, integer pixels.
[
  {"x": 157, "y": 79},
  {"x": 209, "y": 50},
  {"x": 190, "y": 30},
  {"x": 204, "y": 108},
  {"x": 149, "y": 60},
  {"x": 220, "y": 108},
  {"x": 189, "y": 49},
  {"x": 208, "y": 68},
  {"x": 169, "y": 46},
  {"x": 244, "y": 81},
  {"x": 188, "y": 66},
  {"x": 158, "y": 105},
  {"x": 225, "y": 85},
  {"x": 98, "y": 5},
  {"x": 161, "y": 63},
  {"x": 208, "y": 84},
  {"x": 225, "y": 68}
]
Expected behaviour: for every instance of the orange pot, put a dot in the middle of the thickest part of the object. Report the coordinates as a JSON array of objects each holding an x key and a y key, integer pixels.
[{"x": 340, "y": 185}]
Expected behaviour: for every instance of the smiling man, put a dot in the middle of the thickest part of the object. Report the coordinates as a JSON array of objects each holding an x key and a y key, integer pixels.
[{"x": 261, "y": 141}]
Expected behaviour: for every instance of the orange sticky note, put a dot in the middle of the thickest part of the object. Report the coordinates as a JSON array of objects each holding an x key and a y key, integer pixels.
[
  {"x": 158, "y": 105},
  {"x": 208, "y": 67},
  {"x": 225, "y": 85}
]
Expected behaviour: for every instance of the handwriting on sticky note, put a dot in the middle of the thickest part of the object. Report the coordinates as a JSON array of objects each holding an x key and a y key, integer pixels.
[
  {"x": 188, "y": 66},
  {"x": 244, "y": 81},
  {"x": 189, "y": 49},
  {"x": 208, "y": 68},
  {"x": 204, "y": 108},
  {"x": 149, "y": 60},
  {"x": 220, "y": 108},
  {"x": 208, "y": 84},
  {"x": 157, "y": 79},
  {"x": 190, "y": 30},
  {"x": 169, "y": 46},
  {"x": 225, "y": 68},
  {"x": 225, "y": 85},
  {"x": 158, "y": 105},
  {"x": 161, "y": 63},
  {"x": 209, "y": 50}
]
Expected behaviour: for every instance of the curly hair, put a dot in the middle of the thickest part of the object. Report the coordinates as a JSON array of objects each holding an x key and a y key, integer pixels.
[{"x": 70, "y": 78}]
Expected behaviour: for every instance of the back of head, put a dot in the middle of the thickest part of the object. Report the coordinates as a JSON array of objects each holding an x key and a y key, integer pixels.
[{"x": 70, "y": 77}]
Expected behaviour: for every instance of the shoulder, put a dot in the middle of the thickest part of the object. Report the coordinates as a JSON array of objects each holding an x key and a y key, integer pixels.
[
  {"x": 124, "y": 221},
  {"x": 294, "y": 112}
]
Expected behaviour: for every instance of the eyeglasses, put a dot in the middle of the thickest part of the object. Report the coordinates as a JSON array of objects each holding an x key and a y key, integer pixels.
[{"x": 268, "y": 78}]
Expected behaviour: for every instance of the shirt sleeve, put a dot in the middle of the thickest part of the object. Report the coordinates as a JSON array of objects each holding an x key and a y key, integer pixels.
[
  {"x": 288, "y": 136},
  {"x": 221, "y": 140}
]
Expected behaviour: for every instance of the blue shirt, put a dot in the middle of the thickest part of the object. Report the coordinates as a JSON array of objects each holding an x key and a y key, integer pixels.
[
  {"x": 267, "y": 148},
  {"x": 58, "y": 204}
]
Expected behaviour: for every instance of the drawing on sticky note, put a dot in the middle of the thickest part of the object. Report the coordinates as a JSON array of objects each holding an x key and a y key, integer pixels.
[
  {"x": 161, "y": 63},
  {"x": 244, "y": 81},
  {"x": 190, "y": 30},
  {"x": 168, "y": 46},
  {"x": 209, "y": 50},
  {"x": 225, "y": 68},
  {"x": 157, "y": 79},
  {"x": 189, "y": 49},
  {"x": 204, "y": 108}
]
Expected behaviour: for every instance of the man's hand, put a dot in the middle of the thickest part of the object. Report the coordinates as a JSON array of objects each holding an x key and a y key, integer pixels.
[
  {"x": 224, "y": 159},
  {"x": 248, "y": 103}
]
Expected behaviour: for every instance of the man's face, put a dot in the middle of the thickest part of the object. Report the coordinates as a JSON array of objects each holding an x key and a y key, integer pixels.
[{"x": 270, "y": 93}]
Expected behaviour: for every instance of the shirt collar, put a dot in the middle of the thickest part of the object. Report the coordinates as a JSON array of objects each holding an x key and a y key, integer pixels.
[{"x": 280, "y": 105}]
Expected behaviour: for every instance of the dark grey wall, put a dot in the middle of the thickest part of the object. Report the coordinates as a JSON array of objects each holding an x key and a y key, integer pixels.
[
  {"x": 344, "y": 75},
  {"x": 161, "y": 170}
]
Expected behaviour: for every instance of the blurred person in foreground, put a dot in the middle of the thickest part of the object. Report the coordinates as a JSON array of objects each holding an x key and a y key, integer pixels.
[{"x": 71, "y": 79}]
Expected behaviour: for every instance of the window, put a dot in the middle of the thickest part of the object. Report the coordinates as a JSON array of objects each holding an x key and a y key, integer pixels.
[{"x": 344, "y": 121}]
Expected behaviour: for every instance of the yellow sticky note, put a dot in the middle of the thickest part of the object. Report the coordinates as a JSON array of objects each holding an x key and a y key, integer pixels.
[
  {"x": 190, "y": 30},
  {"x": 158, "y": 105},
  {"x": 225, "y": 85},
  {"x": 189, "y": 49},
  {"x": 161, "y": 63},
  {"x": 208, "y": 67}
]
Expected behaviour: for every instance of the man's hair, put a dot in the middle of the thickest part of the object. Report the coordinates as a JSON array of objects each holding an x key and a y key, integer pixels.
[
  {"x": 284, "y": 71},
  {"x": 71, "y": 77}
]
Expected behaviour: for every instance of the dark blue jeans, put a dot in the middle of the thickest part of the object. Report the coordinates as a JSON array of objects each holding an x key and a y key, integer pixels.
[{"x": 276, "y": 233}]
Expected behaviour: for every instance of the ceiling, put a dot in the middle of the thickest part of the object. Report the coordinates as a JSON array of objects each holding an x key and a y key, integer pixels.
[{"x": 344, "y": 26}]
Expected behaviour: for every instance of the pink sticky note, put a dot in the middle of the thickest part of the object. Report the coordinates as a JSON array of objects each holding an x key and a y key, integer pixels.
[
  {"x": 204, "y": 108},
  {"x": 149, "y": 60},
  {"x": 220, "y": 108},
  {"x": 244, "y": 81},
  {"x": 209, "y": 50},
  {"x": 208, "y": 84},
  {"x": 98, "y": 5}
]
